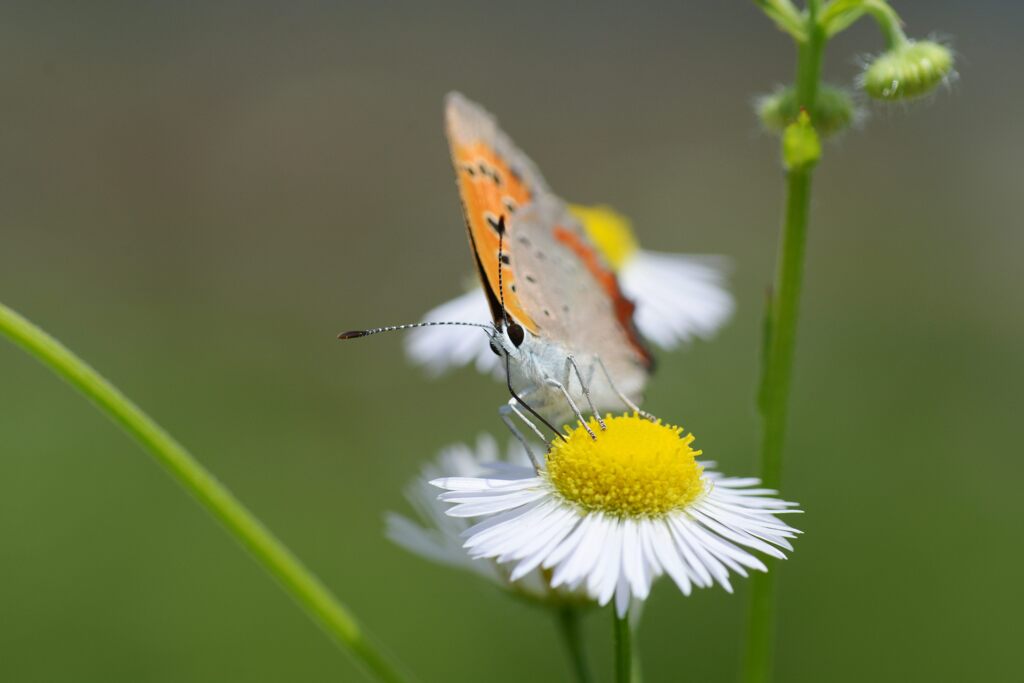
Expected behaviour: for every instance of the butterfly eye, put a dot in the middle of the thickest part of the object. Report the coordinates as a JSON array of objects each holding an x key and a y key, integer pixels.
[{"x": 516, "y": 334}]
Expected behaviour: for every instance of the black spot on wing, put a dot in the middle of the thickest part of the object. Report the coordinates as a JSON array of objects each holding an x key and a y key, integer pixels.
[{"x": 497, "y": 223}]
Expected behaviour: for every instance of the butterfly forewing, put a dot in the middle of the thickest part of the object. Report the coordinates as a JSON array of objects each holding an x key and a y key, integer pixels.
[
  {"x": 553, "y": 280},
  {"x": 496, "y": 181}
]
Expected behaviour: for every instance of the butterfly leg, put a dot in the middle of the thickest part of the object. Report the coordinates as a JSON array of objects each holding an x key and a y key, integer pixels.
[
  {"x": 511, "y": 408},
  {"x": 625, "y": 399},
  {"x": 570, "y": 361},
  {"x": 572, "y": 404}
]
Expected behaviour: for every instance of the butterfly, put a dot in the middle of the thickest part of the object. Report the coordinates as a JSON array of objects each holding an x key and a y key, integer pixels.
[{"x": 560, "y": 322}]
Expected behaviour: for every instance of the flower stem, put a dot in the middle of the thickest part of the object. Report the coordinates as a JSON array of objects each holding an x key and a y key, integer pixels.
[
  {"x": 275, "y": 557},
  {"x": 623, "y": 648},
  {"x": 569, "y": 624},
  {"x": 781, "y": 322}
]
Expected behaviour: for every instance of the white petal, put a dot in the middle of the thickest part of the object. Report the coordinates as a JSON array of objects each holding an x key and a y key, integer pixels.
[
  {"x": 482, "y": 484},
  {"x": 633, "y": 559},
  {"x": 622, "y": 597},
  {"x": 652, "y": 565},
  {"x": 557, "y": 522},
  {"x": 685, "y": 534},
  {"x": 677, "y": 297},
  {"x": 486, "y": 530},
  {"x": 559, "y": 532},
  {"x": 580, "y": 563},
  {"x": 420, "y": 541},
  {"x": 539, "y": 520},
  {"x": 735, "y": 559},
  {"x": 669, "y": 557},
  {"x": 492, "y": 504},
  {"x": 566, "y": 547},
  {"x": 606, "y": 575},
  {"x": 736, "y": 535},
  {"x": 698, "y": 571}
]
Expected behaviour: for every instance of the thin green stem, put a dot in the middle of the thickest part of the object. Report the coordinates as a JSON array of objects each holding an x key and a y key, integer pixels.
[
  {"x": 275, "y": 557},
  {"x": 888, "y": 21},
  {"x": 785, "y": 311},
  {"x": 569, "y": 624},
  {"x": 623, "y": 648},
  {"x": 839, "y": 15},
  {"x": 781, "y": 323}
]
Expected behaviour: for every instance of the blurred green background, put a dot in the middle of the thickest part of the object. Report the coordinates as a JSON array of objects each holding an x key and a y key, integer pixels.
[{"x": 197, "y": 197}]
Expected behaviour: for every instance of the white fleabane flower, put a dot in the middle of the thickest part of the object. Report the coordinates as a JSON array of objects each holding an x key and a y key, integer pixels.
[
  {"x": 609, "y": 516},
  {"x": 439, "y": 538},
  {"x": 678, "y": 298}
]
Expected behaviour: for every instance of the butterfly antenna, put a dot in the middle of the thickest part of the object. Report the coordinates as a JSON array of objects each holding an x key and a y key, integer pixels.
[
  {"x": 501, "y": 259},
  {"x": 355, "y": 334}
]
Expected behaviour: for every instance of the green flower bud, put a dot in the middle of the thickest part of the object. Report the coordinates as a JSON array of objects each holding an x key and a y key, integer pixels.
[
  {"x": 908, "y": 70},
  {"x": 833, "y": 110},
  {"x": 801, "y": 147}
]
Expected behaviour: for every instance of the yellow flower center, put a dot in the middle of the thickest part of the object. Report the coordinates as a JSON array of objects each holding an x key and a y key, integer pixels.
[
  {"x": 635, "y": 467},
  {"x": 609, "y": 231}
]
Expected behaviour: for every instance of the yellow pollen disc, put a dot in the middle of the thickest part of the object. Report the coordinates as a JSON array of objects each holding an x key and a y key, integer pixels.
[
  {"x": 609, "y": 231},
  {"x": 635, "y": 468}
]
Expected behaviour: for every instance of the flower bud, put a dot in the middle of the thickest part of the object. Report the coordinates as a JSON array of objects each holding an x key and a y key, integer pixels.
[
  {"x": 801, "y": 147},
  {"x": 908, "y": 70},
  {"x": 833, "y": 109}
]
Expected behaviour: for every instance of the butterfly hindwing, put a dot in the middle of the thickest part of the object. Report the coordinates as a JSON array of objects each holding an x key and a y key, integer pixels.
[{"x": 572, "y": 293}]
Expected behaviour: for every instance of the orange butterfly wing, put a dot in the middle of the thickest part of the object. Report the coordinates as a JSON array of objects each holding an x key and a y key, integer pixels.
[{"x": 495, "y": 181}]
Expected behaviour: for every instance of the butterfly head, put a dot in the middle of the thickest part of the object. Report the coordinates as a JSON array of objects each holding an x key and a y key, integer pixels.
[{"x": 507, "y": 339}]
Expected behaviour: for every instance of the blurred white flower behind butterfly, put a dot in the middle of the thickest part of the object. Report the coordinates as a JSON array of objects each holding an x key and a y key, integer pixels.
[
  {"x": 678, "y": 297},
  {"x": 439, "y": 538}
]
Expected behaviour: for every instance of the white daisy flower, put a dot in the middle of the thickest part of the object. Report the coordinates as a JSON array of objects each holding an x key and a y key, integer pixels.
[
  {"x": 678, "y": 297},
  {"x": 438, "y": 537},
  {"x": 609, "y": 516}
]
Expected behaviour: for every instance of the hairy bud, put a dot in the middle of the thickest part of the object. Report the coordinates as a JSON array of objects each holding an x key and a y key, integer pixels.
[
  {"x": 909, "y": 70},
  {"x": 833, "y": 109}
]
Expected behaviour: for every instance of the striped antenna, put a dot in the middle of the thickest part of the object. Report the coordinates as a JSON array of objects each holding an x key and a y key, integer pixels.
[{"x": 355, "y": 334}]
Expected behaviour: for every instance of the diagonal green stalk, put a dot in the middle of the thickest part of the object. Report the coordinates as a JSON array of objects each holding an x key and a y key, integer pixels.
[
  {"x": 623, "y": 648},
  {"x": 569, "y": 624},
  {"x": 780, "y": 325},
  {"x": 275, "y": 557}
]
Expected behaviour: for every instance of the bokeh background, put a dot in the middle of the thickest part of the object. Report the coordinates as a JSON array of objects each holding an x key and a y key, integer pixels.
[{"x": 198, "y": 196}]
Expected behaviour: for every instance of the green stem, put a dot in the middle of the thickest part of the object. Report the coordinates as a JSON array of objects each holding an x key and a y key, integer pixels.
[
  {"x": 888, "y": 21},
  {"x": 298, "y": 581},
  {"x": 569, "y": 624},
  {"x": 623, "y": 648},
  {"x": 781, "y": 321}
]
